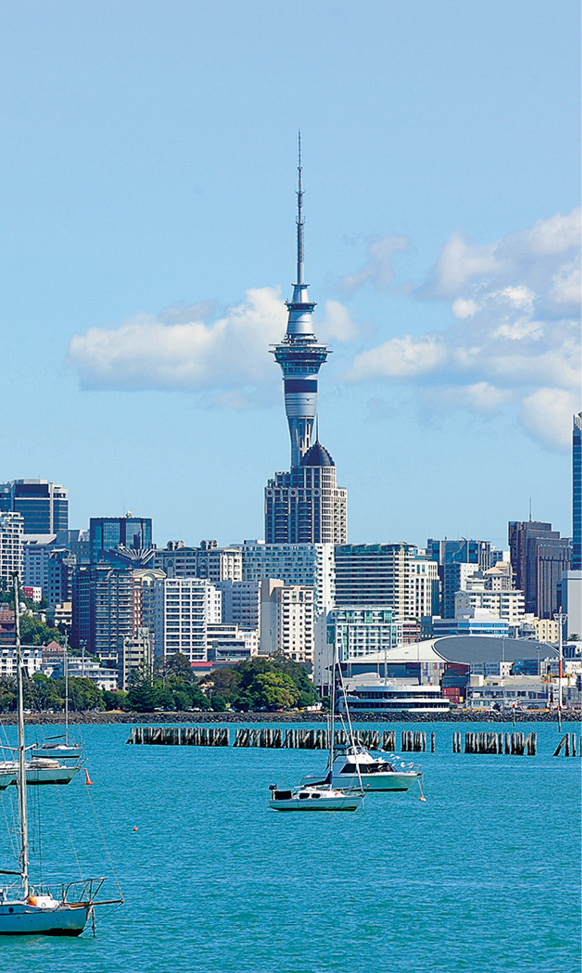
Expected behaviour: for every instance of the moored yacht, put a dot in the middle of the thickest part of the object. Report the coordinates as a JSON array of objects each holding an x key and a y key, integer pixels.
[
  {"x": 319, "y": 797},
  {"x": 355, "y": 767}
]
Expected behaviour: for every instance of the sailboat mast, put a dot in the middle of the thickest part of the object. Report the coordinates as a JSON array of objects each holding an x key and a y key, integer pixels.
[
  {"x": 66, "y": 675},
  {"x": 332, "y": 715},
  {"x": 22, "y": 809}
]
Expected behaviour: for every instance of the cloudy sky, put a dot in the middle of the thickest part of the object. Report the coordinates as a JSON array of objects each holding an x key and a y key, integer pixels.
[{"x": 148, "y": 169}]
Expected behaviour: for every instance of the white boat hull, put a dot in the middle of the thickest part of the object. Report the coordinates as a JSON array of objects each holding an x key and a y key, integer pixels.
[
  {"x": 377, "y": 782},
  {"x": 61, "y": 774},
  {"x": 314, "y": 799},
  {"x": 19, "y": 918}
]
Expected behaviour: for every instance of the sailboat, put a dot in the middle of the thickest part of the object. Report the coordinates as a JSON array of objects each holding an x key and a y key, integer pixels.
[
  {"x": 64, "y": 750},
  {"x": 49, "y": 763},
  {"x": 319, "y": 795},
  {"x": 24, "y": 908}
]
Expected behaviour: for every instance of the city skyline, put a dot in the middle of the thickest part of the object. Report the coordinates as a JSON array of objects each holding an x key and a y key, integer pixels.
[{"x": 149, "y": 244}]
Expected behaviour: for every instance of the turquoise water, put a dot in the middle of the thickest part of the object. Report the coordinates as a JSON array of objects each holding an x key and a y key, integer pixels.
[{"x": 483, "y": 876}]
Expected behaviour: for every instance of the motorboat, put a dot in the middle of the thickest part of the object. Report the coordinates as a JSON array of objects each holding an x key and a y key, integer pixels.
[
  {"x": 354, "y": 767},
  {"x": 320, "y": 797}
]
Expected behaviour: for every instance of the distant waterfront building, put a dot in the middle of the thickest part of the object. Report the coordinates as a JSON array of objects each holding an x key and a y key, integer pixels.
[
  {"x": 241, "y": 604},
  {"x": 303, "y": 564},
  {"x": 304, "y": 505},
  {"x": 508, "y": 605},
  {"x": 206, "y": 561},
  {"x": 44, "y": 505},
  {"x": 103, "y": 616},
  {"x": 457, "y": 559},
  {"x": 218, "y": 563},
  {"x": 51, "y": 568},
  {"x": 539, "y": 557},
  {"x": 11, "y": 544},
  {"x": 473, "y": 622},
  {"x": 184, "y": 608},
  {"x": 399, "y": 576},
  {"x": 129, "y": 533},
  {"x": 176, "y": 560},
  {"x": 356, "y": 632},
  {"x": 576, "y": 564},
  {"x": 287, "y": 620}
]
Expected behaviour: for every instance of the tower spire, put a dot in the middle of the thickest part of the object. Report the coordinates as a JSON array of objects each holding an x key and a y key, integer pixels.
[
  {"x": 299, "y": 354},
  {"x": 300, "y": 220}
]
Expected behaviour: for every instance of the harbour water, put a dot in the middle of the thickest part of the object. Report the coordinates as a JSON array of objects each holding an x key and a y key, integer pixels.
[{"x": 483, "y": 876}]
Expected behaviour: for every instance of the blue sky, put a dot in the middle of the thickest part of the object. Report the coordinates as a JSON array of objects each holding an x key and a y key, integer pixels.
[{"x": 148, "y": 161}]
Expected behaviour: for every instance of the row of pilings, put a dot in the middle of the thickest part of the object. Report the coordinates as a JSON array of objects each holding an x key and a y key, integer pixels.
[
  {"x": 276, "y": 738},
  {"x": 297, "y": 738},
  {"x": 509, "y": 743}
]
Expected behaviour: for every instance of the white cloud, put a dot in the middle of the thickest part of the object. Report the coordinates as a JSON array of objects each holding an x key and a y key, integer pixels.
[
  {"x": 337, "y": 323},
  {"x": 229, "y": 353},
  {"x": 460, "y": 261},
  {"x": 546, "y": 415},
  {"x": 378, "y": 268},
  {"x": 514, "y": 331},
  {"x": 462, "y": 308},
  {"x": 399, "y": 358},
  {"x": 479, "y": 397}
]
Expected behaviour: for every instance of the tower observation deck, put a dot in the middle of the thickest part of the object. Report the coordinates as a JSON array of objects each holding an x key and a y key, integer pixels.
[{"x": 299, "y": 354}]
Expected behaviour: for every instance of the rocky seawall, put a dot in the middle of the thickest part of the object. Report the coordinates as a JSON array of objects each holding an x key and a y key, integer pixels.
[{"x": 117, "y": 716}]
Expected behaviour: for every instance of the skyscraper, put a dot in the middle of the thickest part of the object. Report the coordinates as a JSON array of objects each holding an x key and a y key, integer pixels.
[
  {"x": 539, "y": 557},
  {"x": 304, "y": 505},
  {"x": 129, "y": 533},
  {"x": 577, "y": 493},
  {"x": 43, "y": 505}
]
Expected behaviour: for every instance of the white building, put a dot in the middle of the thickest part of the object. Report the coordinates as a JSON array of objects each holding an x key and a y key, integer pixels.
[
  {"x": 505, "y": 692},
  {"x": 287, "y": 620},
  {"x": 241, "y": 604},
  {"x": 137, "y": 652},
  {"x": 31, "y": 660},
  {"x": 294, "y": 564},
  {"x": 229, "y": 643},
  {"x": 11, "y": 542},
  {"x": 183, "y": 609},
  {"x": 399, "y": 576},
  {"x": 508, "y": 605}
]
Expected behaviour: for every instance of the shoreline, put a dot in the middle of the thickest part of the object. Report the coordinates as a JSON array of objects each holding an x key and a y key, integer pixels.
[{"x": 112, "y": 717}]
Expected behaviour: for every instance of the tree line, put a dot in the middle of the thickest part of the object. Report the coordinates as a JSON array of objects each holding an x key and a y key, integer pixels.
[{"x": 263, "y": 683}]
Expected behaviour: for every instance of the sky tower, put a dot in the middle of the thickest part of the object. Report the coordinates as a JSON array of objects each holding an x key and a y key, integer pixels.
[
  {"x": 304, "y": 505},
  {"x": 299, "y": 353}
]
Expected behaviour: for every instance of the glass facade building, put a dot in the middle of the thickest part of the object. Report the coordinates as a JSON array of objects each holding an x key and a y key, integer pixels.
[
  {"x": 110, "y": 533},
  {"x": 577, "y": 493},
  {"x": 44, "y": 505}
]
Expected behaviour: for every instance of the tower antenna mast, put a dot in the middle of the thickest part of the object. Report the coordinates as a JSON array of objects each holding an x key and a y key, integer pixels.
[{"x": 300, "y": 220}]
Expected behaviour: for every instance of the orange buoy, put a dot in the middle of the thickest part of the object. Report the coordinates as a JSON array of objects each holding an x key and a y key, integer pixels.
[
  {"x": 135, "y": 827},
  {"x": 87, "y": 778}
]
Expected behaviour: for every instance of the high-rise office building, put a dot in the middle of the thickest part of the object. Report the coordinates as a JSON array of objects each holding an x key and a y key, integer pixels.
[
  {"x": 303, "y": 564},
  {"x": 457, "y": 559},
  {"x": 11, "y": 531},
  {"x": 44, "y": 505},
  {"x": 577, "y": 493},
  {"x": 396, "y": 576},
  {"x": 539, "y": 557},
  {"x": 184, "y": 608},
  {"x": 129, "y": 533},
  {"x": 304, "y": 505}
]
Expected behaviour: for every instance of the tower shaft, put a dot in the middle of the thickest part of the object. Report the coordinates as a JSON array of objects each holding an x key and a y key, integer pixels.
[{"x": 299, "y": 354}]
